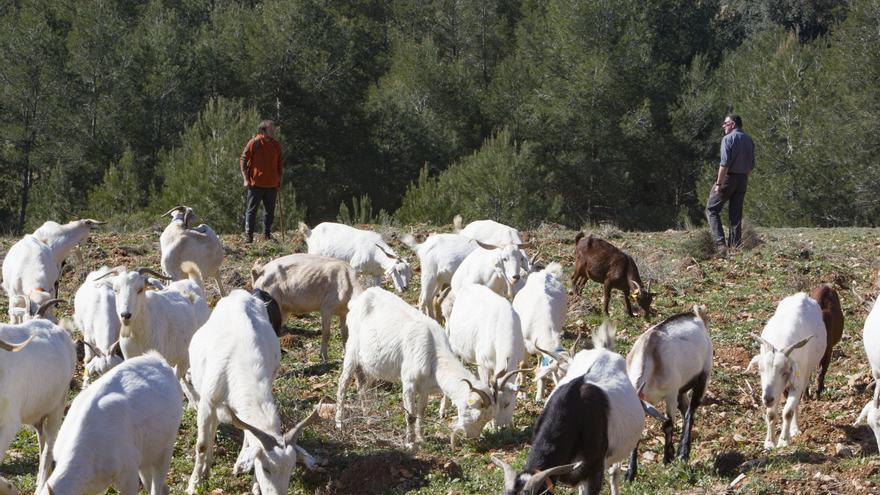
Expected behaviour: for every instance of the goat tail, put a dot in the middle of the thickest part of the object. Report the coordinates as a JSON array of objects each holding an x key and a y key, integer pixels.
[
  {"x": 578, "y": 237},
  {"x": 603, "y": 337},
  {"x": 305, "y": 229},
  {"x": 193, "y": 273},
  {"x": 257, "y": 270},
  {"x": 700, "y": 312},
  {"x": 456, "y": 223}
]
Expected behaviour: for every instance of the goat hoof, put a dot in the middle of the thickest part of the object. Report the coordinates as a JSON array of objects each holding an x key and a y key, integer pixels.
[
  {"x": 768, "y": 444},
  {"x": 782, "y": 443}
]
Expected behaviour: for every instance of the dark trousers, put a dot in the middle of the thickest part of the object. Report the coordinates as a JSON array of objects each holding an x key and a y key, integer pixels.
[
  {"x": 734, "y": 190},
  {"x": 255, "y": 195}
]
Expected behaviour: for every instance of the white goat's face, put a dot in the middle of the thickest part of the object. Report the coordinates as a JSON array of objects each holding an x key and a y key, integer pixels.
[
  {"x": 273, "y": 468},
  {"x": 130, "y": 288},
  {"x": 777, "y": 374},
  {"x": 400, "y": 274},
  {"x": 509, "y": 263},
  {"x": 474, "y": 414},
  {"x": 506, "y": 405}
]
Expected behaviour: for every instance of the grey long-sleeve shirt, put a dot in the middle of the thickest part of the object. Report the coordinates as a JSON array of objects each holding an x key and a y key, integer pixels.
[{"x": 737, "y": 152}]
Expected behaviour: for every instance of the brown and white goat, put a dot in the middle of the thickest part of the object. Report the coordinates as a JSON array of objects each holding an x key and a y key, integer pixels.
[
  {"x": 832, "y": 315},
  {"x": 600, "y": 261}
]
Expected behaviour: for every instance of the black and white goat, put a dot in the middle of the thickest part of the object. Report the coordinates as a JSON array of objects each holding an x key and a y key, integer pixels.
[{"x": 592, "y": 420}]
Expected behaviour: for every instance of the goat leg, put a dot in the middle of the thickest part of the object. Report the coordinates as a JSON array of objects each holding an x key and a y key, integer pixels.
[{"x": 633, "y": 468}]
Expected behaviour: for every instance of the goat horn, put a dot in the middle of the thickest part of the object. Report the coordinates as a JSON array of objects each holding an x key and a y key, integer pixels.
[
  {"x": 6, "y": 346},
  {"x": 268, "y": 441},
  {"x": 483, "y": 395},
  {"x": 653, "y": 412},
  {"x": 187, "y": 213},
  {"x": 386, "y": 252},
  {"x": 291, "y": 436},
  {"x": 763, "y": 342},
  {"x": 575, "y": 345},
  {"x": 552, "y": 355},
  {"x": 114, "y": 348},
  {"x": 95, "y": 349},
  {"x": 509, "y": 473},
  {"x": 537, "y": 479},
  {"x": 112, "y": 271},
  {"x": 648, "y": 287},
  {"x": 92, "y": 221},
  {"x": 503, "y": 381},
  {"x": 172, "y": 210},
  {"x": 142, "y": 270},
  {"x": 46, "y": 306}
]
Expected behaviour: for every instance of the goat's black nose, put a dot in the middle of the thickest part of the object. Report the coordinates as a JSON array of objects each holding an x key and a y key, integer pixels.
[
  {"x": 768, "y": 400},
  {"x": 516, "y": 277},
  {"x": 125, "y": 316}
]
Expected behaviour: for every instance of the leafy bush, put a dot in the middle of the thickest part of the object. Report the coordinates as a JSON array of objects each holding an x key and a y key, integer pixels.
[{"x": 501, "y": 181}]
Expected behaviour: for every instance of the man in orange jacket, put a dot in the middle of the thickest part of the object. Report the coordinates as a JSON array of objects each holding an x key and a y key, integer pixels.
[{"x": 261, "y": 171}]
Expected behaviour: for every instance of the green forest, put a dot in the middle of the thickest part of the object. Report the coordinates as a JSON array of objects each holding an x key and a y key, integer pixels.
[{"x": 524, "y": 111}]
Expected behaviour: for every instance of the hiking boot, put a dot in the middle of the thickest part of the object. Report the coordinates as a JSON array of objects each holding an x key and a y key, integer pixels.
[
  {"x": 267, "y": 237},
  {"x": 721, "y": 251},
  {"x": 248, "y": 237}
]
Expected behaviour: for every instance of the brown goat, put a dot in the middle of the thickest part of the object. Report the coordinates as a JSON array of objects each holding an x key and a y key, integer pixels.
[
  {"x": 600, "y": 261},
  {"x": 833, "y": 318}
]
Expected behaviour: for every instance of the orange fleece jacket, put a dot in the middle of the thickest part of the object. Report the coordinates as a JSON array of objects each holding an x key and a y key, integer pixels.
[{"x": 261, "y": 162}]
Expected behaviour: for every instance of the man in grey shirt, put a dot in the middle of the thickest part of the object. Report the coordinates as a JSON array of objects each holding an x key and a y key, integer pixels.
[{"x": 737, "y": 162}]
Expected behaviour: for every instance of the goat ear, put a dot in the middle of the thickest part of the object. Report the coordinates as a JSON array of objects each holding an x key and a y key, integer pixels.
[
  {"x": 753, "y": 363},
  {"x": 763, "y": 343},
  {"x": 386, "y": 252},
  {"x": 245, "y": 461},
  {"x": 155, "y": 283},
  {"x": 509, "y": 473},
  {"x": 797, "y": 345},
  {"x": 95, "y": 349},
  {"x": 291, "y": 436}
]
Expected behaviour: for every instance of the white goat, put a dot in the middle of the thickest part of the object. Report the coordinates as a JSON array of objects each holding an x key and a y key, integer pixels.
[
  {"x": 30, "y": 275},
  {"x": 488, "y": 232},
  {"x": 180, "y": 243},
  {"x": 871, "y": 338},
  {"x": 439, "y": 257},
  {"x": 95, "y": 315},
  {"x": 541, "y": 305},
  {"x": 498, "y": 268},
  {"x": 485, "y": 330},
  {"x": 34, "y": 379},
  {"x": 364, "y": 250},
  {"x": 302, "y": 283},
  {"x": 792, "y": 345},
  {"x": 162, "y": 320},
  {"x": 234, "y": 358},
  {"x": 666, "y": 362},
  {"x": 392, "y": 341},
  {"x": 118, "y": 431}
]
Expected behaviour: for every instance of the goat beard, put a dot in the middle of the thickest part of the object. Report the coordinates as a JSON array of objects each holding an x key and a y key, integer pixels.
[{"x": 125, "y": 331}]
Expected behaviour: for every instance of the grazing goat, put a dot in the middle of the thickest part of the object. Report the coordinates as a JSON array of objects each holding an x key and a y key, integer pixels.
[
  {"x": 485, "y": 330},
  {"x": 35, "y": 377},
  {"x": 871, "y": 341},
  {"x": 792, "y": 344},
  {"x": 180, "y": 243},
  {"x": 832, "y": 316},
  {"x": 302, "y": 283},
  {"x": 541, "y": 305},
  {"x": 95, "y": 316},
  {"x": 119, "y": 431},
  {"x": 666, "y": 362},
  {"x": 365, "y": 251},
  {"x": 162, "y": 320},
  {"x": 593, "y": 418},
  {"x": 234, "y": 358},
  {"x": 439, "y": 256},
  {"x": 600, "y": 261},
  {"x": 392, "y": 341}
]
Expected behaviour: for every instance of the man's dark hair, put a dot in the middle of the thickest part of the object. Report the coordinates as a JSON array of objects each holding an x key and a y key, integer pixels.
[
  {"x": 264, "y": 125},
  {"x": 736, "y": 120}
]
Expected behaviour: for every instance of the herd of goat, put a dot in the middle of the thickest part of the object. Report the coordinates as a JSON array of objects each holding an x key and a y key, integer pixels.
[{"x": 151, "y": 341}]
